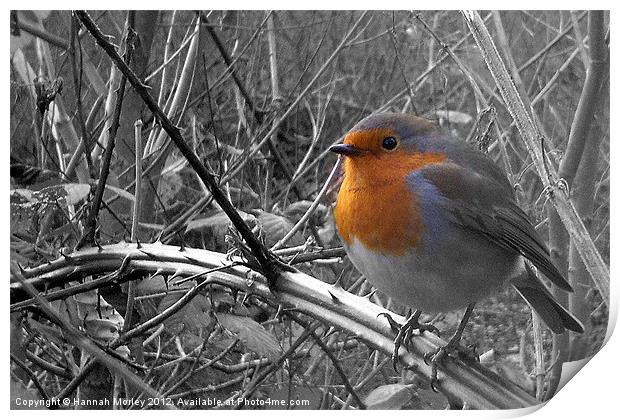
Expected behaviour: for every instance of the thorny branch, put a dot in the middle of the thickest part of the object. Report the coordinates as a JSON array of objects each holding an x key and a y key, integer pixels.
[{"x": 332, "y": 305}]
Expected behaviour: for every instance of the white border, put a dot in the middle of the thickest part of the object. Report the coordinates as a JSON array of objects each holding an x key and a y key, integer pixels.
[{"x": 592, "y": 394}]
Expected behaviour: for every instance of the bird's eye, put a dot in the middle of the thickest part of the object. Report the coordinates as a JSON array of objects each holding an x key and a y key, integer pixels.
[{"x": 389, "y": 143}]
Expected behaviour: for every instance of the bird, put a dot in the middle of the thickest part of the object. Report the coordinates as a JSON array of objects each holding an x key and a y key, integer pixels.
[{"x": 433, "y": 223}]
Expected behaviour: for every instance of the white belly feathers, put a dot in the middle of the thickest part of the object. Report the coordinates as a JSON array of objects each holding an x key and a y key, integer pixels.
[{"x": 446, "y": 279}]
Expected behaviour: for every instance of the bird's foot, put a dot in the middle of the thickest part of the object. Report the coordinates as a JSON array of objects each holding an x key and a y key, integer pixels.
[
  {"x": 404, "y": 332},
  {"x": 453, "y": 348},
  {"x": 435, "y": 358}
]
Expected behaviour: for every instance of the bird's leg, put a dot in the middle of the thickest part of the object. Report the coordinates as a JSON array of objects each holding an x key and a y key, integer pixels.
[
  {"x": 405, "y": 330},
  {"x": 435, "y": 358}
]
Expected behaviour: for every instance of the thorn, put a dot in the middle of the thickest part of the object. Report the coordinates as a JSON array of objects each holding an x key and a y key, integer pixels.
[
  {"x": 99, "y": 247},
  {"x": 158, "y": 239},
  {"x": 67, "y": 257},
  {"x": 124, "y": 264},
  {"x": 369, "y": 295},
  {"x": 138, "y": 244},
  {"x": 337, "y": 283},
  {"x": 148, "y": 254},
  {"x": 192, "y": 259},
  {"x": 330, "y": 330},
  {"x": 334, "y": 298},
  {"x": 158, "y": 272},
  {"x": 278, "y": 313},
  {"x": 176, "y": 274},
  {"x": 21, "y": 270}
]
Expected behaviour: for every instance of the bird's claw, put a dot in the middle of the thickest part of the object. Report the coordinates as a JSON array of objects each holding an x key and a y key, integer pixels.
[
  {"x": 395, "y": 326},
  {"x": 427, "y": 326},
  {"x": 435, "y": 358},
  {"x": 405, "y": 331},
  {"x": 403, "y": 336},
  {"x": 416, "y": 325}
]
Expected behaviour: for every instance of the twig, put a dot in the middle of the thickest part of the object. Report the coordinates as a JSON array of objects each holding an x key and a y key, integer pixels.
[
  {"x": 135, "y": 222},
  {"x": 294, "y": 104},
  {"x": 77, "y": 153},
  {"x": 176, "y": 103},
  {"x": 529, "y": 133},
  {"x": 210, "y": 388},
  {"x": 368, "y": 378},
  {"x": 31, "y": 375},
  {"x": 552, "y": 81},
  {"x": 567, "y": 171},
  {"x": 538, "y": 351},
  {"x": 481, "y": 101},
  {"x": 77, "y": 380},
  {"x": 267, "y": 261},
  {"x": 335, "y": 362},
  {"x": 78, "y": 339},
  {"x": 193, "y": 370},
  {"x": 204, "y": 201},
  {"x": 256, "y": 113},
  {"x": 91, "y": 223},
  {"x": 265, "y": 373},
  {"x": 77, "y": 83},
  {"x": 168, "y": 59},
  {"x": 54, "y": 369},
  {"x": 273, "y": 60},
  {"x": 550, "y": 45},
  {"x": 226, "y": 73},
  {"x": 579, "y": 38},
  {"x": 401, "y": 66},
  {"x": 310, "y": 211},
  {"x": 228, "y": 61},
  {"x": 171, "y": 310},
  {"x": 35, "y": 30},
  {"x": 589, "y": 95},
  {"x": 238, "y": 367}
]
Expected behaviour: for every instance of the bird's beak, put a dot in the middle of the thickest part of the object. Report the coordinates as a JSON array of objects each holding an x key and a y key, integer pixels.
[{"x": 346, "y": 150}]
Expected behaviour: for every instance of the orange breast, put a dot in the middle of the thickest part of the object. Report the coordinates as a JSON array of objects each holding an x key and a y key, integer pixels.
[{"x": 377, "y": 206}]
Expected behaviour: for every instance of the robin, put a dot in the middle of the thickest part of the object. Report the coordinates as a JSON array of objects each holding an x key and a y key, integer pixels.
[{"x": 433, "y": 223}]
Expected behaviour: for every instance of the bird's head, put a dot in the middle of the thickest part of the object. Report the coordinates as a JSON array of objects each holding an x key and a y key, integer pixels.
[{"x": 389, "y": 145}]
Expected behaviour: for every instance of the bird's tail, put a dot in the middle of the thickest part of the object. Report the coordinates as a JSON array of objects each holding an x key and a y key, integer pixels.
[{"x": 552, "y": 313}]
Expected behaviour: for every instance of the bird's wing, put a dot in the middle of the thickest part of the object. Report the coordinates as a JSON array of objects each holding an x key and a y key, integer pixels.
[{"x": 475, "y": 201}]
